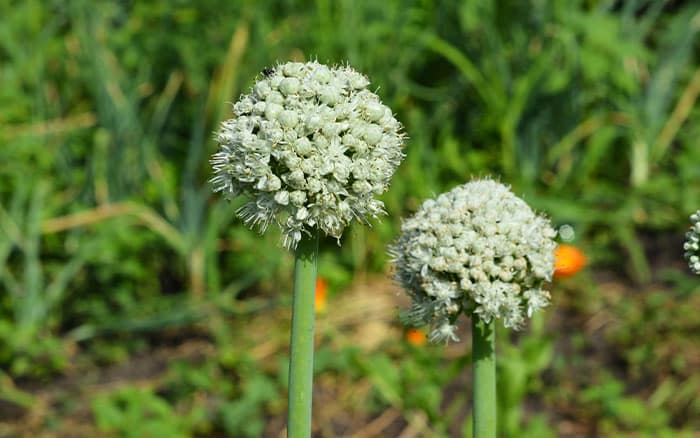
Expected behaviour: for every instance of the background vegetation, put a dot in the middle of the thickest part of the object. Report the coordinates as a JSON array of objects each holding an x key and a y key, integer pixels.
[{"x": 133, "y": 303}]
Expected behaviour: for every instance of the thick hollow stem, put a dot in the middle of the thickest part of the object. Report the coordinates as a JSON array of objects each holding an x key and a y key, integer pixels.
[
  {"x": 484, "y": 358},
  {"x": 301, "y": 365}
]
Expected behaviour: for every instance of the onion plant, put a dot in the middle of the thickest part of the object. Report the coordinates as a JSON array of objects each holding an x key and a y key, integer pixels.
[
  {"x": 481, "y": 251},
  {"x": 310, "y": 146}
]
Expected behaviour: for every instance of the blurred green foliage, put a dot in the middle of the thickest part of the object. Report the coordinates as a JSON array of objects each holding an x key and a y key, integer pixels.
[
  {"x": 111, "y": 244},
  {"x": 134, "y": 412}
]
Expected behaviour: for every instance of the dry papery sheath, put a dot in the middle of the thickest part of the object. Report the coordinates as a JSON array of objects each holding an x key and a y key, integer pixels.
[
  {"x": 477, "y": 249},
  {"x": 311, "y": 146},
  {"x": 692, "y": 243}
]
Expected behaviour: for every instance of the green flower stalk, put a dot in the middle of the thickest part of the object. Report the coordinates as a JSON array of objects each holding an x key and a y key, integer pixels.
[
  {"x": 311, "y": 147},
  {"x": 302, "y": 339},
  {"x": 481, "y": 251},
  {"x": 692, "y": 243}
]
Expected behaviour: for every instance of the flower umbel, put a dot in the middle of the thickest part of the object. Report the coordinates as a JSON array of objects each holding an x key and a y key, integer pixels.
[
  {"x": 311, "y": 146},
  {"x": 692, "y": 243},
  {"x": 475, "y": 249}
]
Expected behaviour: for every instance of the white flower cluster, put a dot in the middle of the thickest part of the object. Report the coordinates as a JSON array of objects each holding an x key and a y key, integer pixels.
[
  {"x": 475, "y": 249},
  {"x": 692, "y": 243},
  {"x": 311, "y": 146}
]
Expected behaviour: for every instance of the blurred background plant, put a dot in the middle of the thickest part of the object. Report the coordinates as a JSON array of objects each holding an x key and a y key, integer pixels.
[{"x": 130, "y": 295}]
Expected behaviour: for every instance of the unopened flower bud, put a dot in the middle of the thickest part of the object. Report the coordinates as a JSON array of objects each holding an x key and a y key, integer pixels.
[{"x": 289, "y": 86}]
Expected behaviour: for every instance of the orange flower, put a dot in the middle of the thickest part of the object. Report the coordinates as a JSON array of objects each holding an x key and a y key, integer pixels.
[
  {"x": 415, "y": 337},
  {"x": 568, "y": 261},
  {"x": 321, "y": 295}
]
